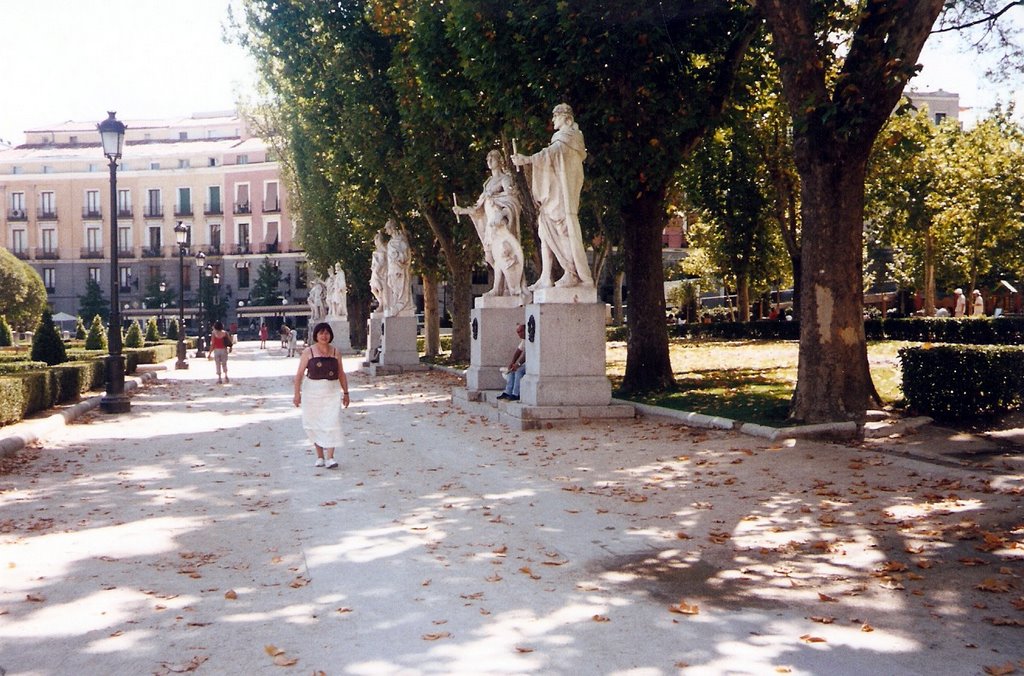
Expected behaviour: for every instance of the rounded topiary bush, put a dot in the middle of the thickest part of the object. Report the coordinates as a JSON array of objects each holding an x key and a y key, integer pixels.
[
  {"x": 96, "y": 339},
  {"x": 172, "y": 329},
  {"x": 134, "y": 336},
  {"x": 79, "y": 328},
  {"x": 6, "y": 337},
  {"x": 47, "y": 345},
  {"x": 152, "y": 331}
]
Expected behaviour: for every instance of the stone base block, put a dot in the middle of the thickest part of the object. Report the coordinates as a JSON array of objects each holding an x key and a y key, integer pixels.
[
  {"x": 520, "y": 416},
  {"x": 487, "y": 302},
  {"x": 394, "y": 369},
  {"x": 374, "y": 326},
  {"x": 398, "y": 342},
  {"x": 493, "y": 340},
  {"x": 565, "y": 355},
  {"x": 565, "y": 390},
  {"x": 567, "y": 294},
  {"x": 342, "y": 341}
]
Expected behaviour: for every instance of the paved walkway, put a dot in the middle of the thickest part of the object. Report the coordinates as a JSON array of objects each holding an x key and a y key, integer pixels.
[{"x": 195, "y": 535}]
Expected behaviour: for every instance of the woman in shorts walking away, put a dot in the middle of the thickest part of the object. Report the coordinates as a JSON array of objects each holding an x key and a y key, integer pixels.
[
  {"x": 321, "y": 389},
  {"x": 220, "y": 343}
]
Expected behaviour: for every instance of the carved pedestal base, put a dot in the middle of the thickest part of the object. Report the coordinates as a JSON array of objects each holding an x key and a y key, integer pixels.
[{"x": 493, "y": 341}]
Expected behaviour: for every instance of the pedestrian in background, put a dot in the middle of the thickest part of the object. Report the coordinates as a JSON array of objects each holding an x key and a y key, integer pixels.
[
  {"x": 977, "y": 304},
  {"x": 264, "y": 334},
  {"x": 220, "y": 344},
  {"x": 961, "y": 303}
]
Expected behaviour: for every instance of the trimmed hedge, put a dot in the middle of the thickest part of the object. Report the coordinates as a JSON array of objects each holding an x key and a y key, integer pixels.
[
  {"x": 958, "y": 382},
  {"x": 988, "y": 331}
]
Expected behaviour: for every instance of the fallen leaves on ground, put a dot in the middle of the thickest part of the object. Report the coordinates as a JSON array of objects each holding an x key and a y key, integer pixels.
[{"x": 684, "y": 608}]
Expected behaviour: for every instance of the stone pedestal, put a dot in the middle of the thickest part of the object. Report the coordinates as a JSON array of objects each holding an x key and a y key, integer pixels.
[
  {"x": 493, "y": 340},
  {"x": 373, "y": 329},
  {"x": 565, "y": 354},
  {"x": 342, "y": 341},
  {"x": 398, "y": 342}
]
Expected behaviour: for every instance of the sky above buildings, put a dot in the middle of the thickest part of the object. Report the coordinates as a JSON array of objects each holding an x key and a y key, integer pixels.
[{"x": 75, "y": 59}]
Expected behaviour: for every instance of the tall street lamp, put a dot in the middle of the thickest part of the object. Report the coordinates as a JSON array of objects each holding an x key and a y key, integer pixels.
[
  {"x": 181, "y": 238},
  {"x": 163, "y": 290},
  {"x": 200, "y": 342},
  {"x": 115, "y": 400}
]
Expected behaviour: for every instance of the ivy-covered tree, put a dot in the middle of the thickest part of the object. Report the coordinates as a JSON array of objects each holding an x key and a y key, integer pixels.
[
  {"x": 22, "y": 294},
  {"x": 264, "y": 290},
  {"x": 92, "y": 303},
  {"x": 133, "y": 337},
  {"x": 47, "y": 345},
  {"x": 97, "y": 337},
  {"x": 6, "y": 337},
  {"x": 152, "y": 331}
]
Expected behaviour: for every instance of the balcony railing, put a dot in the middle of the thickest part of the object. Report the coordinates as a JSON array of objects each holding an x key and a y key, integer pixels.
[
  {"x": 20, "y": 253},
  {"x": 241, "y": 249},
  {"x": 183, "y": 210},
  {"x": 124, "y": 212},
  {"x": 47, "y": 254},
  {"x": 213, "y": 209},
  {"x": 272, "y": 248},
  {"x": 243, "y": 208},
  {"x": 91, "y": 212},
  {"x": 152, "y": 252},
  {"x": 271, "y": 206},
  {"x": 91, "y": 252},
  {"x": 126, "y": 253},
  {"x": 154, "y": 212},
  {"x": 210, "y": 249},
  {"x": 47, "y": 215},
  {"x": 17, "y": 215}
]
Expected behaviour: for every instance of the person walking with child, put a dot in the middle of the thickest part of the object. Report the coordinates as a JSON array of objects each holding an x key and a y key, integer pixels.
[{"x": 317, "y": 382}]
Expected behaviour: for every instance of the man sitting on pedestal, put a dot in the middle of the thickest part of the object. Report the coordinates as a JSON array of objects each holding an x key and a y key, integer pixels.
[{"x": 516, "y": 367}]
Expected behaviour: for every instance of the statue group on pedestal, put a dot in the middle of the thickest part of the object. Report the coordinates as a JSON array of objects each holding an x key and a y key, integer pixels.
[
  {"x": 329, "y": 298},
  {"x": 391, "y": 272},
  {"x": 556, "y": 182}
]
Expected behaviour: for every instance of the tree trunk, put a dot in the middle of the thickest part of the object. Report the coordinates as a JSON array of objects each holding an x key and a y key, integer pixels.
[
  {"x": 833, "y": 380},
  {"x": 358, "y": 314},
  {"x": 743, "y": 297},
  {"x": 431, "y": 320},
  {"x": 648, "y": 367},
  {"x": 929, "y": 273},
  {"x": 462, "y": 302},
  {"x": 620, "y": 276}
]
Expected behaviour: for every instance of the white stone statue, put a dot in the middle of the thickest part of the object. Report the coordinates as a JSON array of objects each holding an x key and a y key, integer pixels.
[
  {"x": 399, "y": 272},
  {"x": 496, "y": 217},
  {"x": 337, "y": 292},
  {"x": 379, "y": 272},
  {"x": 556, "y": 183},
  {"x": 317, "y": 300}
]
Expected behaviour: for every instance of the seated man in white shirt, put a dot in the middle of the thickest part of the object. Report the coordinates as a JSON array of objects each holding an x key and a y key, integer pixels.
[{"x": 516, "y": 367}]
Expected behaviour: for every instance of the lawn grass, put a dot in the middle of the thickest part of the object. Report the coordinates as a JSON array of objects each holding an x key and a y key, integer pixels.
[{"x": 747, "y": 380}]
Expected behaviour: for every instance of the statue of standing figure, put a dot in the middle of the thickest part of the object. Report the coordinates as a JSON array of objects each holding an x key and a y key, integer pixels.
[
  {"x": 496, "y": 217},
  {"x": 336, "y": 292},
  {"x": 317, "y": 300},
  {"x": 556, "y": 183},
  {"x": 379, "y": 272},
  {"x": 399, "y": 273}
]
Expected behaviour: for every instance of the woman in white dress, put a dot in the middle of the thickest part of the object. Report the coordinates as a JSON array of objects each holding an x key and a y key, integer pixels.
[{"x": 316, "y": 392}]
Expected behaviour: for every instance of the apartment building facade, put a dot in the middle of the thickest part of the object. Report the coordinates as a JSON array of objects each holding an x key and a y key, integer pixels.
[{"x": 205, "y": 171}]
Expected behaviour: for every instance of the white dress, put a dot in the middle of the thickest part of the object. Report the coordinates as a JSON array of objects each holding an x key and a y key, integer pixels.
[{"x": 321, "y": 411}]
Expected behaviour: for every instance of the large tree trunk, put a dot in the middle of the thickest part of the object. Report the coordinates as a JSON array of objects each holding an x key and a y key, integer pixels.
[
  {"x": 358, "y": 314},
  {"x": 620, "y": 276},
  {"x": 833, "y": 379},
  {"x": 431, "y": 320},
  {"x": 743, "y": 297},
  {"x": 648, "y": 367},
  {"x": 462, "y": 302}
]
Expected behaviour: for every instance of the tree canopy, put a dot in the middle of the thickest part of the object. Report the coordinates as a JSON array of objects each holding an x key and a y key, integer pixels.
[{"x": 22, "y": 294}]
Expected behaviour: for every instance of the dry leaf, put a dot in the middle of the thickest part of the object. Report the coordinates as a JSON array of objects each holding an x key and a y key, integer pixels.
[
  {"x": 35, "y": 598},
  {"x": 822, "y": 619},
  {"x": 600, "y": 618},
  {"x": 231, "y": 595},
  {"x": 807, "y": 638},
  {"x": 683, "y": 608},
  {"x": 298, "y": 582},
  {"x": 991, "y": 584},
  {"x": 826, "y": 598},
  {"x": 343, "y": 609},
  {"x": 866, "y": 628},
  {"x": 523, "y": 649},
  {"x": 1001, "y": 669},
  {"x": 437, "y": 636},
  {"x": 285, "y": 661}
]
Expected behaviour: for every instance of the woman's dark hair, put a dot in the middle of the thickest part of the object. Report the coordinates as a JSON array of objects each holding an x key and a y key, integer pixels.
[
  {"x": 217, "y": 325},
  {"x": 320, "y": 327}
]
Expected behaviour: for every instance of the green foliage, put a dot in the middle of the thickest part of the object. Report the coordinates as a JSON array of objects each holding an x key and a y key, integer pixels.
[
  {"x": 79, "y": 328},
  {"x": 172, "y": 328},
  {"x": 97, "y": 337},
  {"x": 959, "y": 382},
  {"x": 22, "y": 294},
  {"x": 264, "y": 290},
  {"x": 152, "y": 331},
  {"x": 47, "y": 345},
  {"x": 93, "y": 303},
  {"x": 133, "y": 338},
  {"x": 6, "y": 337}
]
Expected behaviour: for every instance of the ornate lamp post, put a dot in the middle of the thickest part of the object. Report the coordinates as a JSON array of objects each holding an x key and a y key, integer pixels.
[
  {"x": 201, "y": 339},
  {"x": 181, "y": 238},
  {"x": 163, "y": 289},
  {"x": 115, "y": 400}
]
